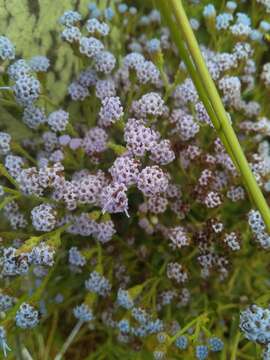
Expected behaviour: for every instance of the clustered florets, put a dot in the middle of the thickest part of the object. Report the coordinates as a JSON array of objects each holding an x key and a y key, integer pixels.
[
  {"x": 7, "y": 49},
  {"x": 26, "y": 90},
  {"x": 110, "y": 111},
  {"x": 176, "y": 272},
  {"x": 90, "y": 47},
  {"x": 149, "y": 105},
  {"x": 34, "y": 116},
  {"x": 257, "y": 226},
  {"x": 114, "y": 199},
  {"x": 26, "y": 316},
  {"x": 139, "y": 138},
  {"x": 98, "y": 284},
  {"x": 4, "y": 143},
  {"x": 152, "y": 181},
  {"x": 254, "y": 322},
  {"x": 58, "y": 120},
  {"x": 39, "y": 63},
  {"x": 83, "y": 313},
  {"x": 43, "y": 217}
]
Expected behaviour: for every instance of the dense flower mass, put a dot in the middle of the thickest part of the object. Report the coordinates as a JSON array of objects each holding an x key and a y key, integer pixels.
[{"x": 126, "y": 229}]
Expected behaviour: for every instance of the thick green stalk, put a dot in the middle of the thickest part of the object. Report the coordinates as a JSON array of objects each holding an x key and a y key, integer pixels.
[{"x": 226, "y": 130}]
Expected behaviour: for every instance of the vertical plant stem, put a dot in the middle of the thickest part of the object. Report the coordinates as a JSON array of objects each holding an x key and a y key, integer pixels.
[
  {"x": 39, "y": 342},
  {"x": 69, "y": 340},
  {"x": 18, "y": 348},
  {"x": 51, "y": 335},
  {"x": 235, "y": 345},
  {"x": 165, "y": 9},
  {"x": 220, "y": 120},
  {"x": 26, "y": 355}
]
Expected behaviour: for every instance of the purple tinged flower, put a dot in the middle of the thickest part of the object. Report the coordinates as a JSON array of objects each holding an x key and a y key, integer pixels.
[
  {"x": 114, "y": 199},
  {"x": 105, "y": 62},
  {"x": 58, "y": 120},
  {"x": 152, "y": 181},
  {"x": 43, "y": 217},
  {"x": 95, "y": 141},
  {"x": 140, "y": 138},
  {"x": 111, "y": 110},
  {"x": 125, "y": 170}
]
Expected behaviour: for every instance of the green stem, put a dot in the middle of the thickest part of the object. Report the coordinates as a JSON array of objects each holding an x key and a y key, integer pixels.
[
  {"x": 118, "y": 149},
  {"x": 69, "y": 340},
  {"x": 71, "y": 131},
  {"x": 235, "y": 346},
  {"x": 130, "y": 96},
  {"x": 48, "y": 100},
  {"x": 244, "y": 356},
  {"x": 51, "y": 335},
  {"x": 8, "y": 103},
  {"x": 26, "y": 355},
  {"x": 33, "y": 299},
  {"x": 190, "y": 324},
  {"x": 7, "y": 200},
  {"x": 220, "y": 120},
  {"x": 18, "y": 149},
  {"x": 18, "y": 347},
  {"x": 159, "y": 62},
  {"x": 165, "y": 9},
  {"x": 5, "y": 173}
]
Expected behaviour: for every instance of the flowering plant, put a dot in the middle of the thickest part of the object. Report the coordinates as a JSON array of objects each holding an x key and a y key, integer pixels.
[{"x": 134, "y": 223}]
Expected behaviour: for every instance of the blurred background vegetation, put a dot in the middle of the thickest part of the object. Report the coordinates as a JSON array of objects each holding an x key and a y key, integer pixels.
[{"x": 32, "y": 25}]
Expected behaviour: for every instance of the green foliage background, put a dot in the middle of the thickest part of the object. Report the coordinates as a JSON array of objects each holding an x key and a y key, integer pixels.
[{"x": 33, "y": 26}]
